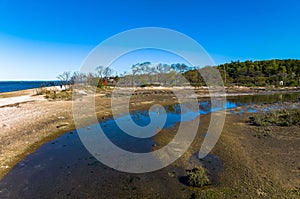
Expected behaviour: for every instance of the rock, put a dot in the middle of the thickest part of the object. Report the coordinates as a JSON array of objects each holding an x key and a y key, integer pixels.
[
  {"x": 261, "y": 193},
  {"x": 172, "y": 174},
  {"x": 155, "y": 145}
]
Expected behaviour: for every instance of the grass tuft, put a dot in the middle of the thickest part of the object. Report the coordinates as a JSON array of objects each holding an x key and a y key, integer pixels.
[{"x": 198, "y": 177}]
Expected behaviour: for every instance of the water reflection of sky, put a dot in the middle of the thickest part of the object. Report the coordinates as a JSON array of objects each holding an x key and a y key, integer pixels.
[
  {"x": 173, "y": 113},
  {"x": 182, "y": 113}
]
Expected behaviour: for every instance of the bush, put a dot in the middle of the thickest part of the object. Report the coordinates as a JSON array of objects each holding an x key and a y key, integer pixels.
[
  {"x": 40, "y": 91},
  {"x": 56, "y": 95},
  {"x": 194, "y": 196},
  {"x": 286, "y": 117},
  {"x": 100, "y": 84},
  {"x": 198, "y": 177}
]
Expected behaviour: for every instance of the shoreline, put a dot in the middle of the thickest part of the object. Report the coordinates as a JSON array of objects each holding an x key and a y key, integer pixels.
[{"x": 31, "y": 121}]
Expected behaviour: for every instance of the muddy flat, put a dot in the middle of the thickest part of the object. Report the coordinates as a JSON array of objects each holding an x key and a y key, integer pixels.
[{"x": 244, "y": 164}]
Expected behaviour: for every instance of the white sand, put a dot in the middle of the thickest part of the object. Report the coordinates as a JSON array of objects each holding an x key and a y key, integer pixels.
[{"x": 20, "y": 99}]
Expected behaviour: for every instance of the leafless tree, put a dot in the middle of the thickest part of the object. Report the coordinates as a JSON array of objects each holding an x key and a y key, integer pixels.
[
  {"x": 103, "y": 71},
  {"x": 65, "y": 78}
]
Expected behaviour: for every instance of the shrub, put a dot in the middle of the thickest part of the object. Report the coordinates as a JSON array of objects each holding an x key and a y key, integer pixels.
[
  {"x": 40, "y": 91},
  {"x": 286, "y": 117},
  {"x": 198, "y": 177},
  {"x": 56, "y": 95},
  {"x": 100, "y": 83},
  {"x": 194, "y": 196}
]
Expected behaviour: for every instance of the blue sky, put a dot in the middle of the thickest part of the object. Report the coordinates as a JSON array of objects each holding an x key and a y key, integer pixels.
[{"x": 40, "y": 39}]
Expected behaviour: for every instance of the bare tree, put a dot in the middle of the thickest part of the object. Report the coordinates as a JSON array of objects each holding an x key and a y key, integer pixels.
[
  {"x": 103, "y": 71},
  {"x": 107, "y": 71},
  {"x": 163, "y": 70},
  {"x": 141, "y": 69},
  {"x": 151, "y": 72},
  {"x": 78, "y": 77},
  {"x": 135, "y": 69},
  {"x": 65, "y": 78},
  {"x": 100, "y": 71}
]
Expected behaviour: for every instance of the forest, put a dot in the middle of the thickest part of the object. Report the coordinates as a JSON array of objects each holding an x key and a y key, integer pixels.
[{"x": 254, "y": 73}]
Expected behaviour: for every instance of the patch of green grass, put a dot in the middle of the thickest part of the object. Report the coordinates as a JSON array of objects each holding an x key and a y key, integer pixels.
[
  {"x": 198, "y": 177},
  {"x": 285, "y": 117}
]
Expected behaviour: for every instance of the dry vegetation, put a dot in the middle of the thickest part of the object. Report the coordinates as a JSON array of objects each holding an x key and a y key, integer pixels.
[{"x": 285, "y": 117}]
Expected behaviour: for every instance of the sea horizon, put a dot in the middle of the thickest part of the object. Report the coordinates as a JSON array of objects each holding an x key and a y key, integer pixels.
[{"x": 17, "y": 85}]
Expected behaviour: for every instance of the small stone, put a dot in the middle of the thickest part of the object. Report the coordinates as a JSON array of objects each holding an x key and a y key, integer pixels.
[
  {"x": 261, "y": 193},
  {"x": 155, "y": 145},
  {"x": 172, "y": 174}
]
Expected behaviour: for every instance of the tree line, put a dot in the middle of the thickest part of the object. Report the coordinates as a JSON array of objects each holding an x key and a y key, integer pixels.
[
  {"x": 262, "y": 73},
  {"x": 254, "y": 73},
  {"x": 247, "y": 73}
]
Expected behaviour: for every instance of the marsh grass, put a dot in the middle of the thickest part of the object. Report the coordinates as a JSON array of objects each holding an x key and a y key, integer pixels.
[{"x": 285, "y": 117}]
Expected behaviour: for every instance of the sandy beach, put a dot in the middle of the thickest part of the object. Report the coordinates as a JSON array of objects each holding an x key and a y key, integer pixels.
[{"x": 25, "y": 121}]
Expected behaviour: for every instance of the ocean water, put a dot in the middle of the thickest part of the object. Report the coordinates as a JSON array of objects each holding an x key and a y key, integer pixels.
[{"x": 8, "y": 86}]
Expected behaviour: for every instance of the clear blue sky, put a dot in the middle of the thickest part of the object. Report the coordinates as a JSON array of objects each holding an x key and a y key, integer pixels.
[{"x": 39, "y": 39}]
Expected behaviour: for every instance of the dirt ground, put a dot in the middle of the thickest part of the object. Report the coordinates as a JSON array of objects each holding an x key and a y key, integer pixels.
[{"x": 253, "y": 165}]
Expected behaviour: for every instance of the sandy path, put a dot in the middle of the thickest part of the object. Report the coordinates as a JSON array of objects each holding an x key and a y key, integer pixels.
[{"x": 14, "y": 101}]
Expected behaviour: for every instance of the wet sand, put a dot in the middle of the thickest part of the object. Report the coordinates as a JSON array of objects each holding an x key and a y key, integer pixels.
[{"x": 27, "y": 121}]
